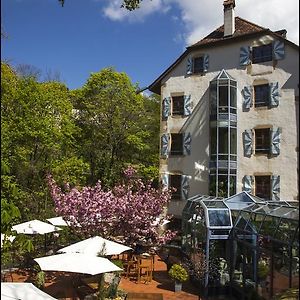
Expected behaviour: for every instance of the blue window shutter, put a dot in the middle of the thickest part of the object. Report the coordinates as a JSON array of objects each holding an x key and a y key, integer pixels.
[
  {"x": 185, "y": 186},
  {"x": 245, "y": 56},
  {"x": 248, "y": 142},
  {"x": 165, "y": 138},
  {"x": 275, "y": 183},
  {"x": 187, "y": 140},
  {"x": 189, "y": 66},
  {"x": 165, "y": 181},
  {"x": 247, "y": 97},
  {"x": 274, "y": 94},
  {"x": 248, "y": 183},
  {"x": 187, "y": 105},
  {"x": 205, "y": 62},
  {"x": 275, "y": 141},
  {"x": 278, "y": 50},
  {"x": 166, "y": 103}
]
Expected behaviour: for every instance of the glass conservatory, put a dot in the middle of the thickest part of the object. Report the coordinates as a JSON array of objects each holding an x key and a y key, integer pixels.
[
  {"x": 238, "y": 244},
  {"x": 265, "y": 250}
]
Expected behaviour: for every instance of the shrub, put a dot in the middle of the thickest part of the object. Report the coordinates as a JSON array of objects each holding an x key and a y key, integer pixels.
[{"x": 178, "y": 273}]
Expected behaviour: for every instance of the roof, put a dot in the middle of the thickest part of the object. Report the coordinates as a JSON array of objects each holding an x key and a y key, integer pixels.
[{"x": 243, "y": 29}]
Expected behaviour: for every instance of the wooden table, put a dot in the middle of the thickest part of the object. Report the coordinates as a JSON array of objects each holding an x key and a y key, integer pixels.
[{"x": 144, "y": 296}]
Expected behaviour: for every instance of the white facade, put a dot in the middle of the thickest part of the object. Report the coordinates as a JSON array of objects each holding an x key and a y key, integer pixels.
[{"x": 226, "y": 56}]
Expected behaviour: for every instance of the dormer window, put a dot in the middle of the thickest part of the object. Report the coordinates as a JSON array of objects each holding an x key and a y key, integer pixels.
[
  {"x": 262, "y": 53},
  {"x": 198, "y": 66}
]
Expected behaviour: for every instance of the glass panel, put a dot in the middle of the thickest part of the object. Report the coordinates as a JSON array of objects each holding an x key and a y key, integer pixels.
[
  {"x": 214, "y": 204},
  {"x": 222, "y": 186},
  {"x": 198, "y": 64},
  {"x": 242, "y": 220},
  {"x": 262, "y": 53},
  {"x": 223, "y": 140},
  {"x": 233, "y": 83},
  {"x": 286, "y": 230},
  {"x": 175, "y": 182},
  {"x": 212, "y": 185},
  {"x": 176, "y": 144},
  {"x": 213, "y": 140},
  {"x": 262, "y": 140},
  {"x": 232, "y": 96},
  {"x": 232, "y": 188},
  {"x": 269, "y": 226},
  {"x": 178, "y": 105},
  {"x": 233, "y": 141},
  {"x": 213, "y": 99},
  {"x": 261, "y": 95},
  {"x": 219, "y": 217},
  {"x": 223, "y": 96},
  {"x": 263, "y": 187}
]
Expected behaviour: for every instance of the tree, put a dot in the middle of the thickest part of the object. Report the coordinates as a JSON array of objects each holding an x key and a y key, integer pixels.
[
  {"x": 37, "y": 130},
  {"x": 128, "y": 210},
  {"x": 115, "y": 125}
]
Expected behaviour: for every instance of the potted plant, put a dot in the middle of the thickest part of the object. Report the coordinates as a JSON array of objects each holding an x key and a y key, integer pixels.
[{"x": 179, "y": 274}]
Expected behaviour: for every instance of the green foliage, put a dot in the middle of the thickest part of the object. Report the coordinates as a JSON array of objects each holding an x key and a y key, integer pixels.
[
  {"x": 178, "y": 273},
  {"x": 131, "y": 4},
  {"x": 40, "y": 279},
  {"x": 118, "y": 126},
  {"x": 127, "y": 4},
  {"x": 289, "y": 294},
  {"x": 118, "y": 263},
  {"x": 79, "y": 136},
  {"x": 37, "y": 135},
  {"x": 263, "y": 270}
]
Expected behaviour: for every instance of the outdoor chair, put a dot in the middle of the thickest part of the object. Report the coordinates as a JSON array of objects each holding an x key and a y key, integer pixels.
[
  {"x": 144, "y": 268},
  {"x": 131, "y": 267}
]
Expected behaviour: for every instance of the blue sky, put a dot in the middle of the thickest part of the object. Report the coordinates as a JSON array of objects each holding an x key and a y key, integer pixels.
[{"x": 88, "y": 35}]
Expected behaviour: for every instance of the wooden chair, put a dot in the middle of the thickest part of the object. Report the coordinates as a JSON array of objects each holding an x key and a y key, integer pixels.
[
  {"x": 144, "y": 268},
  {"x": 131, "y": 267}
]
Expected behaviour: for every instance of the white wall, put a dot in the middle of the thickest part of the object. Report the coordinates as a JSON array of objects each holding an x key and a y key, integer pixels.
[{"x": 286, "y": 72}]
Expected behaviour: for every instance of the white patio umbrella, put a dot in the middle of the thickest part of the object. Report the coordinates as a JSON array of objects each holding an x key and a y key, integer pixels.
[
  {"x": 77, "y": 263},
  {"x": 35, "y": 227},
  {"x": 94, "y": 246},
  {"x": 22, "y": 291},
  {"x": 6, "y": 237},
  {"x": 58, "y": 221}
]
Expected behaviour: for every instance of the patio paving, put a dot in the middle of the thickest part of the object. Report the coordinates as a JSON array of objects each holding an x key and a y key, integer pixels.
[
  {"x": 161, "y": 283},
  {"x": 59, "y": 284}
]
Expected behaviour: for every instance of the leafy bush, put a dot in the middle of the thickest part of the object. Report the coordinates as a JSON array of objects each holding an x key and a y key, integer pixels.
[
  {"x": 263, "y": 270},
  {"x": 178, "y": 273},
  {"x": 118, "y": 263}
]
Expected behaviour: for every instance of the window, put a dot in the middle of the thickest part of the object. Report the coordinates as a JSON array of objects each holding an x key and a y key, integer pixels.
[
  {"x": 198, "y": 65},
  {"x": 263, "y": 187},
  {"x": 176, "y": 144},
  {"x": 175, "y": 182},
  {"x": 262, "y": 53},
  {"x": 178, "y": 105},
  {"x": 223, "y": 135},
  {"x": 261, "y": 95},
  {"x": 262, "y": 140}
]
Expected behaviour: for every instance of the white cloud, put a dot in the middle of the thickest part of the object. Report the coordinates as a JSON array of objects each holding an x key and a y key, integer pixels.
[
  {"x": 114, "y": 11},
  {"x": 202, "y": 17}
]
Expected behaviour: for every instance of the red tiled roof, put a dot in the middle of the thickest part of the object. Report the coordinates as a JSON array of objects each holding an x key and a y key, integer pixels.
[{"x": 242, "y": 27}]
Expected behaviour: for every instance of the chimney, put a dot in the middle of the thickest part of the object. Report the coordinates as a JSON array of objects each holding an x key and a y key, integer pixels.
[{"x": 229, "y": 18}]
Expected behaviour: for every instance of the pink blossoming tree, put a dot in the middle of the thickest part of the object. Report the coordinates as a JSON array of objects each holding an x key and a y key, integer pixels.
[{"x": 129, "y": 210}]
